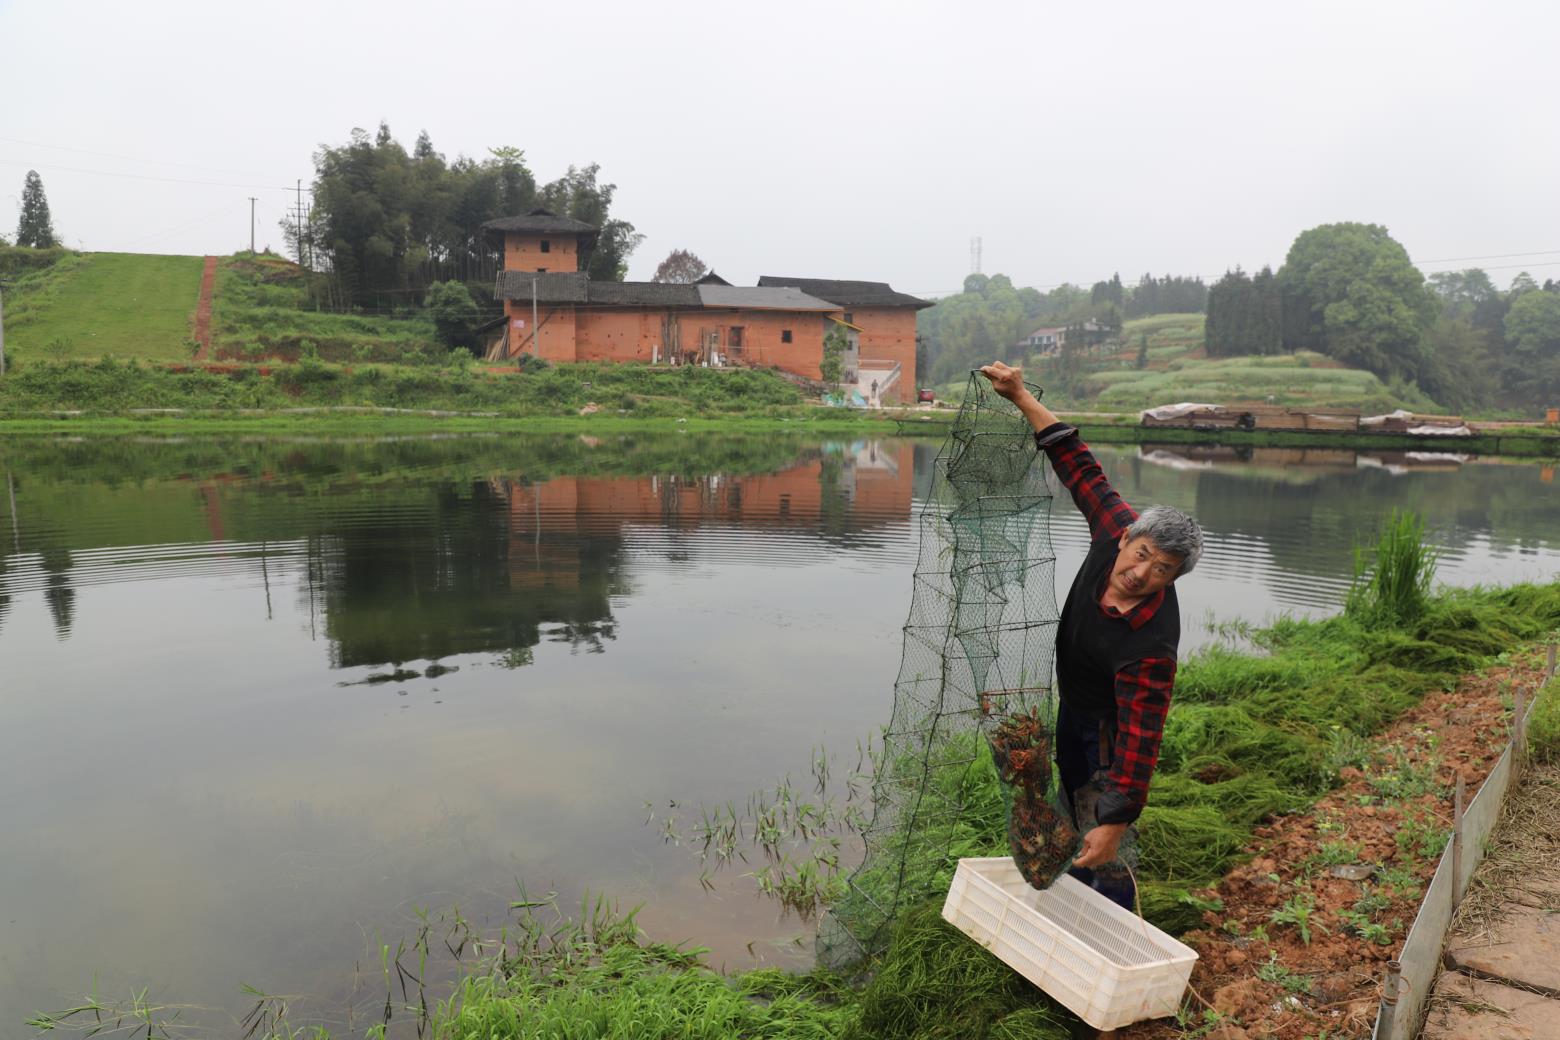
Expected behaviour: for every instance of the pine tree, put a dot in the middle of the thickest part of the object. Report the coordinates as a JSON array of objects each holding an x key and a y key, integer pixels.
[{"x": 35, "y": 228}]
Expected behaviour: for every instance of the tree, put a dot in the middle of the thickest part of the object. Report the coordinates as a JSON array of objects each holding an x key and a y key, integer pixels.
[
  {"x": 1142, "y": 354},
  {"x": 35, "y": 228},
  {"x": 1356, "y": 297},
  {"x": 1462, "y": 292},
  {"x": 835, "y": 343},
  {"x": 577, "y": 194},
  {"x": 1532, "y": 370},
  {"x": 680, "y": 267},
  {"x": 386, "y": 225},
  {"x": 1460, "y": 371},
  {"x": 454, "y": 313}
]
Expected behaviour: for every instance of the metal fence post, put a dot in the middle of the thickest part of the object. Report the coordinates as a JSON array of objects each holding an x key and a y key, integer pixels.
[
  {"x": 1389, "y": 999},
  {"x": 1518, "y": 733},
  {"x": 1459, "y": 793}
]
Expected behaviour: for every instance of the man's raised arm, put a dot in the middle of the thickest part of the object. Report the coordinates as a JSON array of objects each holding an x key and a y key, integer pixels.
[{"x": 1108, "y": 515}]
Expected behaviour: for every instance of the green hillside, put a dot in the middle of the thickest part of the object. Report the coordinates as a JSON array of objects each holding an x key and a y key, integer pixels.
[
  {"x": 1177, "y": 369},
  {"x": 90, "y": 305}
]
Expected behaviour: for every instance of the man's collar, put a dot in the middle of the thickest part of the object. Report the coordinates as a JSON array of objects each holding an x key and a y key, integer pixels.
[{"x": 1140, "y": 614}]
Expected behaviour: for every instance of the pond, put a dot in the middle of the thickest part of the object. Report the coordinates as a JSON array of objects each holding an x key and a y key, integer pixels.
[{"x": 263, "y": 700}]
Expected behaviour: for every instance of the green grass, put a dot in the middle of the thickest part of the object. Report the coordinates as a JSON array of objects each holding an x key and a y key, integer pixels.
[
  {"x": 453, "y": 382},
  {"x": 91, "y": 305},
  {"x": 260, "y": 310},
  {"x": 1301, "y": 380}
]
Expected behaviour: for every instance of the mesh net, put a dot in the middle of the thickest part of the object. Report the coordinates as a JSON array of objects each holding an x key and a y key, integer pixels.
[{"x": 978, "y": 650}]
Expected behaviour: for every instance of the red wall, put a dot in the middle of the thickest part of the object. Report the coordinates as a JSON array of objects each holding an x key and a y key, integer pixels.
[
  {"x": 888, "y": 334},
  {"x": 524, "y": 253}
]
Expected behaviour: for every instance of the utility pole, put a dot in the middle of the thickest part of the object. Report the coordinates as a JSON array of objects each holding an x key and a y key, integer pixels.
[
  {"x": 300, "y": 221},
  {"x": 536, "y": 343},
  {"x": 251, "y": 223},
  {"x": 2, "y": 327}
]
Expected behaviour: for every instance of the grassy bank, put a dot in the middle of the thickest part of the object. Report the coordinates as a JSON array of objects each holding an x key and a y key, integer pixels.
[
  {"x": 90, "y": 305},
  {"x": 1252, "y": 733},
  {"x": 112, "y": 388},
  {"x": 259, "y": 310}
]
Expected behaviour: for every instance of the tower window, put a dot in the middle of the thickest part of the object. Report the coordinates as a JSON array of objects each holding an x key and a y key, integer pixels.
[
  {"x": 546, "y": 246},
  {"x": 785, "y": 335},
  {"x": 850, "y": 319}
]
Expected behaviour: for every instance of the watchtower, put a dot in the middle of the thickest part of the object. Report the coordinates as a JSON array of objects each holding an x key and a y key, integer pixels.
[{"x": 540, "y": 241}]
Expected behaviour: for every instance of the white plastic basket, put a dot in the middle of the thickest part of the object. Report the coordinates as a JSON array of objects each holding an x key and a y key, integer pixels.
[{"x": 1101, "y": 961}]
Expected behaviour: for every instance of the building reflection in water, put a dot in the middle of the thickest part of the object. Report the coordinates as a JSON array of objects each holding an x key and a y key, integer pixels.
[{"x": 505, "y": 563}]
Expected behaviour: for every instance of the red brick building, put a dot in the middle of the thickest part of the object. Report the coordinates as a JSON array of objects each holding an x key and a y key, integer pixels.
[{"x": 555, "y": 311}]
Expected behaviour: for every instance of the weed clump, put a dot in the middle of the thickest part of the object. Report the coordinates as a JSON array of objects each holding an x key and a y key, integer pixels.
[
  {"x": 933, "y": 982},
  {"x": 1392, "y": 583}
]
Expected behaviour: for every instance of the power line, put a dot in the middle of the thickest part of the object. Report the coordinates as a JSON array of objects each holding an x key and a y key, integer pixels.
[
  {"x": 1490, "y": 256},
  {"x": 117, "y": 155},
  {"x": 144, "y": 177}
]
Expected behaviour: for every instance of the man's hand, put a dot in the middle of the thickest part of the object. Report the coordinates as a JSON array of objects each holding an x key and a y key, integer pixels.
[
  {"x": 1100, "y": 845},
  {"x": 1006, "y": 381}
]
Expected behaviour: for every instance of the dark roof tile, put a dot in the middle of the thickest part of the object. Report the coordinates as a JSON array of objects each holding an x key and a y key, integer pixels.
[
  {"x": 643, "y": 294},
  {"x": 848, "y": 293},
  {"x": 541, "y": 222},
  {"x": 551, "y": 287}
]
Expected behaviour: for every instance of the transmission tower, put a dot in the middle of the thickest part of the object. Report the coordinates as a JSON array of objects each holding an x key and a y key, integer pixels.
[{"x": 975, "y": 255}]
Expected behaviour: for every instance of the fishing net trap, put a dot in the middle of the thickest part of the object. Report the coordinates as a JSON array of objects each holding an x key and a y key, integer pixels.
[{"x": 974, "y": 683}]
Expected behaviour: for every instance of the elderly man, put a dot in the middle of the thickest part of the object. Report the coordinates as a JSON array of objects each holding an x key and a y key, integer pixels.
[{"x": 1115, "y": 647}]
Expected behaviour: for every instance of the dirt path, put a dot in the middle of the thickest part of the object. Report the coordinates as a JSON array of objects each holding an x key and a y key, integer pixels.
[
  {"x": 208, "y": 278},
  {"x": 1502, "y": 956},
  {"x": 1297, "y": 938}
]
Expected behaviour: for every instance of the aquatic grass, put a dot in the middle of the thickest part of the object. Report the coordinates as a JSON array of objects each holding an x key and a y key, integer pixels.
[
  {"x": 933, "y": 983},
  {"x": 1392, "y": 582}
]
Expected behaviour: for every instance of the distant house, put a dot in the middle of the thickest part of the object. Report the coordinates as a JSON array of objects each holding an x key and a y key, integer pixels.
[
  {"x": 1050, "y": 339},
  {"x": 779, "y": 323},
  {"x": 1047, "y": 339}
]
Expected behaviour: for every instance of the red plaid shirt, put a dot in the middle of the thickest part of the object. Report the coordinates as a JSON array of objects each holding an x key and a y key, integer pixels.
[{"x": 1142, "y": 687}]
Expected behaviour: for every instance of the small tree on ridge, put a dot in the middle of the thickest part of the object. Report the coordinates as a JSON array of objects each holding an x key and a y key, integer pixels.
[{"x": 35, "y": 228}]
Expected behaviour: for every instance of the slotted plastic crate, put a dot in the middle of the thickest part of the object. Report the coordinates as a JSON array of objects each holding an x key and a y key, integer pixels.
[{"x": 1104, "y": 963}]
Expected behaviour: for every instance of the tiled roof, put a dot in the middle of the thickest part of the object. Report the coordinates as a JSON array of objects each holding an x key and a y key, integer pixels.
[
  {"x": 541, "y": 222},
  {"x": 848, "y": 293},
  {"x": 551, "y": 287},
  {"x": 643, "y": 294},
  {"x": 767, "y": 298}
]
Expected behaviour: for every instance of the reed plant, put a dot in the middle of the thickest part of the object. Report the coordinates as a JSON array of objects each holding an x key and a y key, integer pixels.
[{"x": 1392, "y": 582}]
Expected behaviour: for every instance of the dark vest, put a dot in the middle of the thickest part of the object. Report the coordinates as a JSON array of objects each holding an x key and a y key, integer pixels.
[{"x": 1092, "y": 647}]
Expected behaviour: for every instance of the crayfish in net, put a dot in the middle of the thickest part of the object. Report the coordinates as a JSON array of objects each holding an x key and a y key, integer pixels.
[{"x": 1043, "y": 841}]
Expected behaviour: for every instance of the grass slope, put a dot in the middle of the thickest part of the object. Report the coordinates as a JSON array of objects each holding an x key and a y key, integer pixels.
[
  {"x": 259, "y": 310},
  {"x": 1179, "y": 370},
  {"x": 91, "y": 305}
]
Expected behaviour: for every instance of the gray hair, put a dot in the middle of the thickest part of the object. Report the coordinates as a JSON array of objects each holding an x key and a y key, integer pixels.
[{"x": 1171, "y": 531}]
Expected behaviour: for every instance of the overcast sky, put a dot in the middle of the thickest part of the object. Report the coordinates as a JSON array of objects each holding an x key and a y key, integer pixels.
[{"x": 848, "y": 140}]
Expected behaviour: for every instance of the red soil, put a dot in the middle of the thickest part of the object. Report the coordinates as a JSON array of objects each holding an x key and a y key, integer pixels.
[
  {"x": 208, "y": 278},
  {"x": 1335, "y": 978}
]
